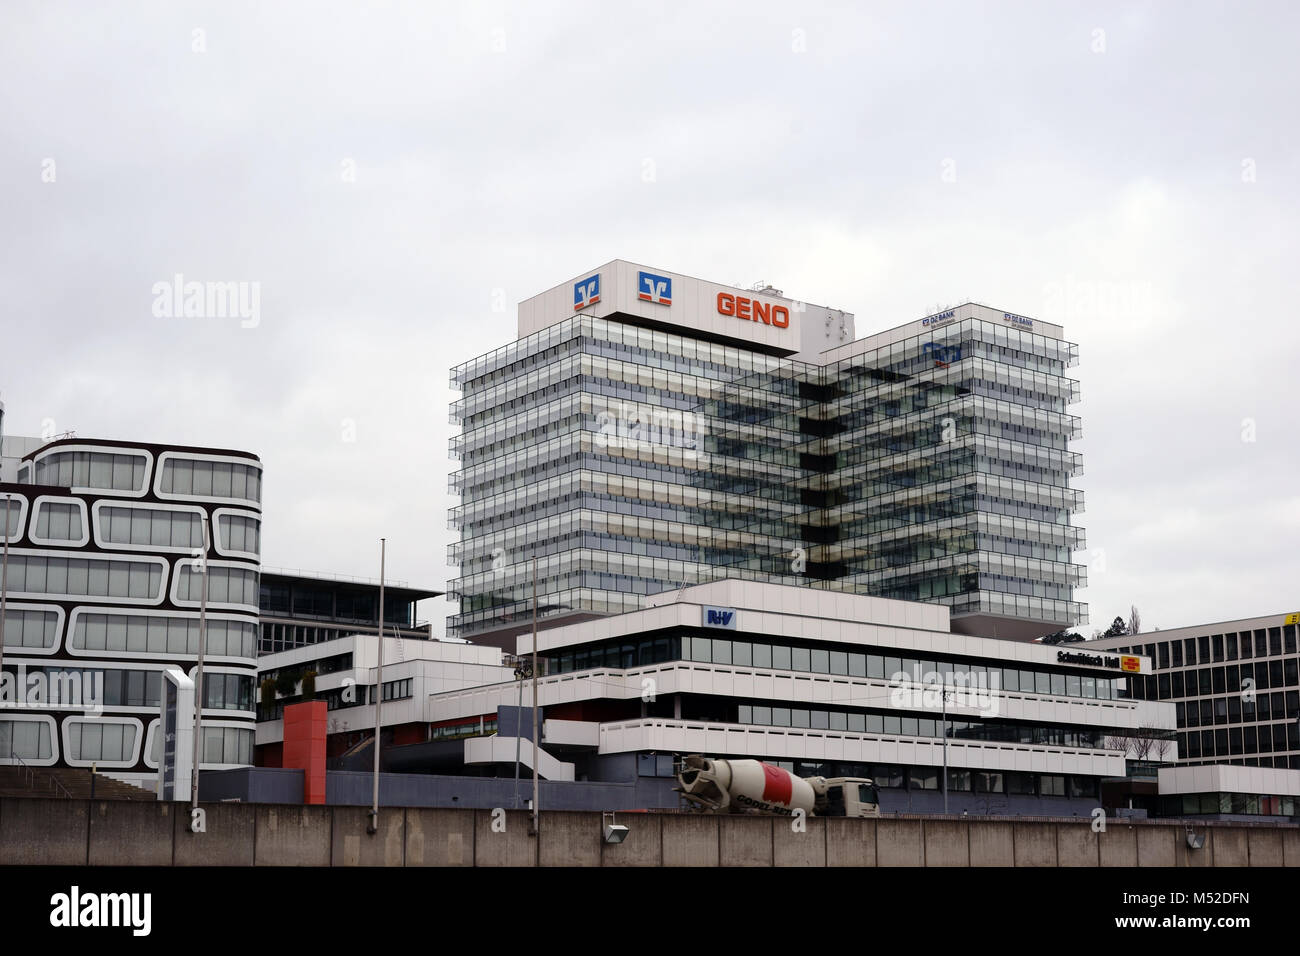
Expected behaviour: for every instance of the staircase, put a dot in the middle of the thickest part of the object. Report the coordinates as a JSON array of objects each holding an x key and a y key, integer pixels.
[{"x": 65, "y": 783}]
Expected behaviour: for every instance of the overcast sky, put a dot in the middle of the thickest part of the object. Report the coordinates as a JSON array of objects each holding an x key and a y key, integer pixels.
[{"x": 396, "y": 177}]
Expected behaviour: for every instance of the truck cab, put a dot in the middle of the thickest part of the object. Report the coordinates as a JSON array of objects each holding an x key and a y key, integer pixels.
[{"x": 848, "y": 797}]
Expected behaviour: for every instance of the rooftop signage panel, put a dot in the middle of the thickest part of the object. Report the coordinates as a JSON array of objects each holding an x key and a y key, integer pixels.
[{"x": 765, "y": 320}]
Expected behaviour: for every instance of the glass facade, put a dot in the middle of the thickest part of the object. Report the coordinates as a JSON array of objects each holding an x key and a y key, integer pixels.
[
  {"x": 1236, "y": 693},
  {"x": 629, "y": 461}
]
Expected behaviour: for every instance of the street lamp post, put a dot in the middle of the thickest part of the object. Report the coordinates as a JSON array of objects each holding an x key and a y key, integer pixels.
[
  {"x": 945, "y": 750},
  {"x": 536, "y": 785},
  {"x": 379, "y": 691},
  {"x": 201, "y": 563}
]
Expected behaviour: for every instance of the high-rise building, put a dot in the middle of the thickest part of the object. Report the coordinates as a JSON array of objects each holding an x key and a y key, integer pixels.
[
  {"x": 102, "y": 594},
  {"x": 649, "y": 431}
]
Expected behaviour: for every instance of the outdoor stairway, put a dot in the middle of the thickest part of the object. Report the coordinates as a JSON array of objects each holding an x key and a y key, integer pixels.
[{"x": 65, "y": 782}]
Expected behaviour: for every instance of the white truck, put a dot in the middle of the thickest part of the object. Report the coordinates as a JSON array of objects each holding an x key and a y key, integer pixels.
[{"x": 751, "y": 786}]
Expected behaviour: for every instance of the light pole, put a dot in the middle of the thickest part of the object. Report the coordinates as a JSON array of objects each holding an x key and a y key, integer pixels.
[
  {"x": 379, "y": 691},
  {"x": 4, "y": 594},
  {"x": 945, "y": 750},
  {"x": 536, "y": 785},
  {"x": 522, "y": 672},
  {"x": 201, "y": 566}
]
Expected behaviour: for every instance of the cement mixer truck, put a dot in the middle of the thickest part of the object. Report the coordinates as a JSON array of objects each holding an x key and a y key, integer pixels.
[{"x": 751, "y": 786}]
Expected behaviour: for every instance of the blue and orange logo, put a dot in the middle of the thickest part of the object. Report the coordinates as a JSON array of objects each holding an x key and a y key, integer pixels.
[
  {"x": 653, "y": 288},
  {"x": 586, "y": 292}
]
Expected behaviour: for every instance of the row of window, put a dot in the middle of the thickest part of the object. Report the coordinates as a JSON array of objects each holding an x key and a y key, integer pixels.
[
  {"x": 1217, "y": 648},
  {"x": 211, "y": 479},
  {"x": 1235, "y": 709},
  {"x": 1253, "y": 804},
  {"x": 910, "y": 726},
  {"x": 1230, "y": 678},
  {"x": 57, "y": 521},
  {"x": 899, "y": 777},
  {"x": 152, "y": 527},
  {"x": 1235, "y": 741},
  {"x": 118, "y": 687},
  {"x": 84, "y": 577},
  {"x": 225, "y": 585},
  {"x": 155, "y": 634},
  {"x": 104, "y": 471},
  {"x": 108, "y": 742},
  {"x": 100, "y": 740},
  {"x": 31, "y": 628},
  {"x": 830, "y": 660}
]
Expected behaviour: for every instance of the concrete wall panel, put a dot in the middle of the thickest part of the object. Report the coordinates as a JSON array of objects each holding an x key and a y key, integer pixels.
[
  {"x": 1265, "y": 848},
  {"x": 352, "y": 845},
  {"x": 1076, "y": 845},
  {"x": 992, "y": 844},
  {"x": 571, "y": 838},
  {"x": 228, "y": 840},
  {"x": 293, "y": 836},
  {"x": 850, "y": 842},
  {"x": 1119, "y": 846},
  {"x": 643, "y": 845},
  {"x": 799, "y": 849},
  {"x": 746, "y": 840},
  {"x": 437, "y": 837},
  {"x": 1158, "y": 846},
  {"x": 132, "y": 833},
  {"x": 947, "y": 843},
  {"x": 899, "y": 843},
  {"x": 1035, "y": 843},
  {"x": 501, "y": 838},
  {"x": 44, "y": 832},
  {"x": 690, "y": 840}
]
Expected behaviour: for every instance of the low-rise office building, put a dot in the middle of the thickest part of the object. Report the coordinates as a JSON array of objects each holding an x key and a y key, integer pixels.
[
  {"x": 1235, "y": 688},
  {"x": 343, "y": 672},
  {"x": 820, "y": 683}
]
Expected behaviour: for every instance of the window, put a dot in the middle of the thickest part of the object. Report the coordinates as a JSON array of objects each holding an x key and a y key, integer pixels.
[
  {"x": 149, "y": 527},
  {"x": 56, "y": 521},
  {"x": 210, "y": 479},
  {"x": 29, "y": 739},
  {"x": 85, "y": 577},
  {"x": 101, "y": 741},
  {"x": 30, "y": 628}
]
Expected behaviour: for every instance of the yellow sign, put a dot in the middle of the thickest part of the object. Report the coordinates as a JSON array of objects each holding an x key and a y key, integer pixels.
[
  {"x": 1292, "y": 619},
  {"x": 1132, "y": 665}
]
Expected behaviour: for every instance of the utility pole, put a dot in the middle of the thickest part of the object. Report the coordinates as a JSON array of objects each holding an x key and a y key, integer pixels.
[
  {"x": 945, "y": 750},
  {"x": 379, "y": 691},
  {"x": 201, "y": 563},
  {"x": 4, "y": 594},
  {"x": 536, "y": 784}
]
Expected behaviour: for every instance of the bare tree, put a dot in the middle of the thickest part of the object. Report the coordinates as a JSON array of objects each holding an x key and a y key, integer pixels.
[{"x": 1134, "y": 620}]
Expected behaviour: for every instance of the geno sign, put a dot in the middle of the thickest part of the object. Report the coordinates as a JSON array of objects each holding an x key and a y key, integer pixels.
[{"x": 753, "y": 310}]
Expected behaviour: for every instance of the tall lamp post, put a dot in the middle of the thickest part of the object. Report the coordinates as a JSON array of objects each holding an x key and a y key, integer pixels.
[
  {"x": 379, "y": 691},
  {"x": 4, "y": 594},
  {"x": 945, "y": 750},
  {"x": 536, "y": 785},
  {"x": 200, "y": 566}
]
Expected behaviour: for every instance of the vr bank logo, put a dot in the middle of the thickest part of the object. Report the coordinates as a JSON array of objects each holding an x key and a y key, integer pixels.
[
  {"x": 586, "y": 292},
  {"x": 720, "y": 617},
  {"x": 653, "y": 288}
]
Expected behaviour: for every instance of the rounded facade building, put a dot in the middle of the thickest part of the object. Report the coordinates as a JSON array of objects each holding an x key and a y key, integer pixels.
[{"x": 102, "y": 595}]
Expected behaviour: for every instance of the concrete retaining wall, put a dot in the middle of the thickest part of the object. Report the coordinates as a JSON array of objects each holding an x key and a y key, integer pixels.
[{"x": 122, "y": 833}]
